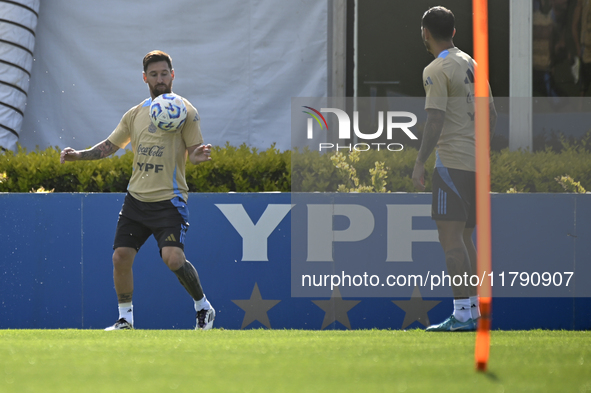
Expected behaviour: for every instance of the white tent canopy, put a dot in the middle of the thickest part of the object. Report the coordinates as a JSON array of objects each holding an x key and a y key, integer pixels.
[{"x": 239, "y": 62}]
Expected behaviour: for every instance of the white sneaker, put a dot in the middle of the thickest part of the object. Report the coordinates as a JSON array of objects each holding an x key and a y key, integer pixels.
[
  {"x": 121, "y": 324},
  {"x": 205, "y": 319}
]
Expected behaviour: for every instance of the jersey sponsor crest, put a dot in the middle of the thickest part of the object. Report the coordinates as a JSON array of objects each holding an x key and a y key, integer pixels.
[{"x": 150, "y": 151}]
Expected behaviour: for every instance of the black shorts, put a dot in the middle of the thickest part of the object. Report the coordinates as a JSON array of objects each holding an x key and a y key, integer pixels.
[
  {"x": 454, "y": 196},
  {"x": 168, "y": 221}
]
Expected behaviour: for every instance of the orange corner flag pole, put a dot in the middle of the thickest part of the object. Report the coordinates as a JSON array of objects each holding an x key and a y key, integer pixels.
[{"x": 483, "y": 217}]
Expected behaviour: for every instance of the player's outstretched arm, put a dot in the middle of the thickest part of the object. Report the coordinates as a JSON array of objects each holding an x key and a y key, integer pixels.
[
  {"x": 431, "y": 134},
  {"x": 199, "y": 154},
  {"x": 98, "y": 151}
]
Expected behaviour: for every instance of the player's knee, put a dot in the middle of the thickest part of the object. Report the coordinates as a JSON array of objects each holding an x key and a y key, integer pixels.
[
  {"x": 123, "y": 259},
  {"x": 175, "y": 263},
  {"x": 450, "y": 240},
  {"x": 173, "y": 258}
]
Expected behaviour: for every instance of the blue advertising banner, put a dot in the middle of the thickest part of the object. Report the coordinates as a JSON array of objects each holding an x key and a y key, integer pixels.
[
  {"x": 251, "y": 251},
  {"x": 384, "y": 245}
]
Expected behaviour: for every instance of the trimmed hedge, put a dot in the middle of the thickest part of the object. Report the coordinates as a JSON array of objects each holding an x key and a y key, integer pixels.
[
  {"x": 536, "y": 172},
  {"x": 244, "y": 169}
]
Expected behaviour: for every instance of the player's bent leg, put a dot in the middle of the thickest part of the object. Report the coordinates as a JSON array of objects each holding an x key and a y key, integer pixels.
[
  {"x": 123, "y": 258},
  {"x": 457, "y": 260},
  {"x": 467, "y": 236},
  {"x": 451, "y": 233},
  {"x": 473, "y": 290},
  {"x": 174, "y": 257},
  {"x": 122, "y": 273}
]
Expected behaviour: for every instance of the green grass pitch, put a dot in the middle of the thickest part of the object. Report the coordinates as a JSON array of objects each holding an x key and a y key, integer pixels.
[{"x": 290, "y": 361}]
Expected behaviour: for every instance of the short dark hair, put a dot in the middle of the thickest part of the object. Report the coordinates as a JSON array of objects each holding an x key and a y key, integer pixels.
[
  {"x": 440, "y": 22},
  {"x": 156, "y": 56}
]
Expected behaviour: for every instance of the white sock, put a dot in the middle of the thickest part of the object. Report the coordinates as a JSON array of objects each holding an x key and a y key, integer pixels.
[
  {"x": 202, "y": 304},
  {"x": 126, "y": 311},
  {"x": 475, "y": 307},
  {"x": 462, "y": 309}
]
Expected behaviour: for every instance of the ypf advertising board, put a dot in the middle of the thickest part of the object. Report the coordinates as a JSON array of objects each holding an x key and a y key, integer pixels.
[{"x": 382, "y": 245}]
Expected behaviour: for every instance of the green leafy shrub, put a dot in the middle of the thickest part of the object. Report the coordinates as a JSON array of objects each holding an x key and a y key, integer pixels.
[
  {"x": 42, "y": 169},
  {"x": 570, "y": 185},
  {"x": 246, "y": 169},
  {"x": 535, "y": 172},
  {"x": 241, "y": 169}
]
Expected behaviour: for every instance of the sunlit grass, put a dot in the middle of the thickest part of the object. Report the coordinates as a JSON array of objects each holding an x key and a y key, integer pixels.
[{"x": 290, "y": 361}]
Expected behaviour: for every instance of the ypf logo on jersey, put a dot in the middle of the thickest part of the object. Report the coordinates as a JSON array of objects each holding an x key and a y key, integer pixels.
[{"x": 364, "y": 141}]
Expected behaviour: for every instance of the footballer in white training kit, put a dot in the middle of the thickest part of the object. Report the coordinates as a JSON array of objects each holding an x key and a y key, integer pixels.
[
  {"x": 164, "y": 130},
  {"x": 450, "y": 131}
]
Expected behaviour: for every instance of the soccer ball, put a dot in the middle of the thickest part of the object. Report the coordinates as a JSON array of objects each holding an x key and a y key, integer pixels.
[{"x": 168, "y": 112}]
